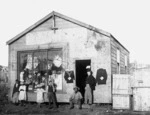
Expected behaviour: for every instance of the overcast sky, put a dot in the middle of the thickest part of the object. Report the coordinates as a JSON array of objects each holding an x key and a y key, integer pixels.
[{"x": 127, "y": 20}]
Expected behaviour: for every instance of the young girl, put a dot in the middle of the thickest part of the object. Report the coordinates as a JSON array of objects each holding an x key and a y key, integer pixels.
[
  {"x": 22, "y": 90},
  {"x": 22, "y": 93},
  {"x": 40, "y": 94}
]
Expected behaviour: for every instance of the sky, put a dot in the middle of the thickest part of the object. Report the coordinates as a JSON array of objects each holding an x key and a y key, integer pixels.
[{"x": 127, "y": 20}]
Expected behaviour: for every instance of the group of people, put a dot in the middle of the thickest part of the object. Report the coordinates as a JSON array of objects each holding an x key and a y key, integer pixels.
[{"x": 19, "y": 95}]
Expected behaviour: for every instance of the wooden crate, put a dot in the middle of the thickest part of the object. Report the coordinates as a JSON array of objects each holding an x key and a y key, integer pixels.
[
  {"x": 121, "y": 101},
  {"x": 121, "y": 84},
  {"x": 141, "y": 98}
]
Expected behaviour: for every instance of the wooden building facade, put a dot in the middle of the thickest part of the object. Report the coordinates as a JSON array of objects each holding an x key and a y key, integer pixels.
[{"x": 67, "y": 46}]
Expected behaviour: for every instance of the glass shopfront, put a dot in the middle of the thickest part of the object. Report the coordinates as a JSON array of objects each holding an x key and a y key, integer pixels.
[{"x": 40, "y": 66}]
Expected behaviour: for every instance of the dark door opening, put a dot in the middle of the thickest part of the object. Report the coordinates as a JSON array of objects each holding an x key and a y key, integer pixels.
[{"x": 81, "y": 74}]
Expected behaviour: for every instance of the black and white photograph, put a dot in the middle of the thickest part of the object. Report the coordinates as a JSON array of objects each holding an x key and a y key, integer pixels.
[{"x": 74, "y": 57}]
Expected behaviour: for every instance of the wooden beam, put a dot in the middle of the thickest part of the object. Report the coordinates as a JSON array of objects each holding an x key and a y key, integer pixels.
[{"x": 54, "y": 23}]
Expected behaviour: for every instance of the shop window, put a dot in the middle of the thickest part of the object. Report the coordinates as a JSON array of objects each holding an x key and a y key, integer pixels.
[
  {"x": 55, "y": 67},
  {"x": 25, "y": 61},
  {"x": 39, "y": 67},
  {"x": 40, "y": 62}
]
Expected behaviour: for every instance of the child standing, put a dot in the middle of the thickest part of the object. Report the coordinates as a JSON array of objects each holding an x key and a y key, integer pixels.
[
  {"x": 15, "y": 93},
  {"x": 40, "y": 94},
  {"x": 51, "y": 94},
  {"x": 22, "y": 93}
]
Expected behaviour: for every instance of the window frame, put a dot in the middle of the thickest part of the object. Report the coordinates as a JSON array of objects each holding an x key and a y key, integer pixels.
[{"x": 34, "y": 51}]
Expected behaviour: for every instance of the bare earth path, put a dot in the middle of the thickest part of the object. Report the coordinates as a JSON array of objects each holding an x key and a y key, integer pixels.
[{"x": 32, "y": 109}]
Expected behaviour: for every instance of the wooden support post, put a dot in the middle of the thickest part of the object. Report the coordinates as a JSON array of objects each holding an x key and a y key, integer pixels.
[{"x": 54, "y": 24}]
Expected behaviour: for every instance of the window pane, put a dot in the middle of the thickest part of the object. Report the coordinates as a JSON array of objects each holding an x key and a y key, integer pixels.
[
  {"x": 40, "y": 62},
  {"x": 40, "y": 68},
  {"x": 25, "y": 61},
  {"x": 55, "y": 60},
  {"x": 33, "y": 63},
  {"x": 55, "y": 67},
  {"x": 25, "y": 65},
  {"x": 118, "y": 56},
  {"x": 126, "y": 61}
]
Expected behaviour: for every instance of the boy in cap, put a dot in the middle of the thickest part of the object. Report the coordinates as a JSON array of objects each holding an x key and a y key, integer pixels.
[
  {"x": 51, "y": 93},
  {"x": 75, "y": 98}
]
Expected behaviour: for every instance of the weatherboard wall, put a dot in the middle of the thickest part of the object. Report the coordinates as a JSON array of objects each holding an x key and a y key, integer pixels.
[{"x": 123, "y": 52}]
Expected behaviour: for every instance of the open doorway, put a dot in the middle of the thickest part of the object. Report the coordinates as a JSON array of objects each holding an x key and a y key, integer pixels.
[{"x": 81, "y": 74}]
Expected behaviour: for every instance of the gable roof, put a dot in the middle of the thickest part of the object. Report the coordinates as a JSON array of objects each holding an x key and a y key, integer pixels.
[{"x": 63, "y": 17}]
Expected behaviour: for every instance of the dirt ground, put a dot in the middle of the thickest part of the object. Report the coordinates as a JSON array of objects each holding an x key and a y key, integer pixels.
[{"x": 63, "y": 109}]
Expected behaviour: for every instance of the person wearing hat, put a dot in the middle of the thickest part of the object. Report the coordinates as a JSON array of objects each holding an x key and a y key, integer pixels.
[
  {"x": 43, "y": 82},
  {"x": 75, "y": 98},
  {"x": 90, "y": 86},
  {"x": 51, "y": 93}
]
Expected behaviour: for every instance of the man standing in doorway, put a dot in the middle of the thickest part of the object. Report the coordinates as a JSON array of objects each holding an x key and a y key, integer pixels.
[{"x": 90, "y": 86}]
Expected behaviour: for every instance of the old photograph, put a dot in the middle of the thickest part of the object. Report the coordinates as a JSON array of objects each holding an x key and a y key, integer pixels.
[{"x": 75, "y": 57}]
